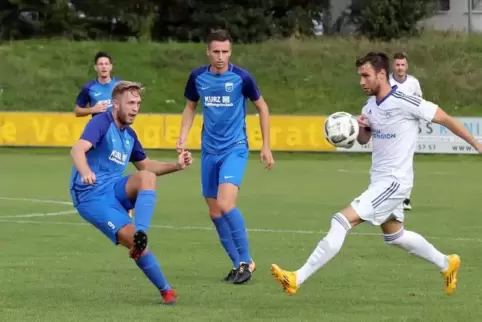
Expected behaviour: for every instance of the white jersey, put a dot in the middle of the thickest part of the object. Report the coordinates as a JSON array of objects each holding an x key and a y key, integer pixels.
[
  {"x": 394, "y": 126},
  {"x": 410, "y": 86}
]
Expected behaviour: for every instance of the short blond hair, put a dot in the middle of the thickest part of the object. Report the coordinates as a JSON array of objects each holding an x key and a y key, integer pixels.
[{"x": 126, "y": 86}]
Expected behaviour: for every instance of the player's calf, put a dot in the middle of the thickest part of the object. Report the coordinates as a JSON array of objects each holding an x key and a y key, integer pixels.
[
  {"x": 226, "y": 202},
  {"x": 141, "y": 187},
  {"x": 136, "y": 242},
  {"x": 416, "y": 245}
]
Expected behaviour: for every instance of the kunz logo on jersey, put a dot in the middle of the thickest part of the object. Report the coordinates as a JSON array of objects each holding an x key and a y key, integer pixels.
[{"x": 229, "y": 87}]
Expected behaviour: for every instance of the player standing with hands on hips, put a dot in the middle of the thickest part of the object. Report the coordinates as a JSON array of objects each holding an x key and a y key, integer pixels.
[
  {"x": 390, "y": 118},
  {"x": 223, "y": 90},
  {"x": 407, "y": 84}
]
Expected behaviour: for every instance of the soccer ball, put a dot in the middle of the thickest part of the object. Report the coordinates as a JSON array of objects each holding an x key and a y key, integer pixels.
[{"x": 341, "y": 129}]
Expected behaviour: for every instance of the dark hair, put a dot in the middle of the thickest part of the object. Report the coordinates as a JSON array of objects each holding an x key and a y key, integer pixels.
[
  {"x": 400, "y": 55},
  {"x": 218, "y": 35},
  {"x": 378, "y": 60},
  {"x": 101, "y": 54}
]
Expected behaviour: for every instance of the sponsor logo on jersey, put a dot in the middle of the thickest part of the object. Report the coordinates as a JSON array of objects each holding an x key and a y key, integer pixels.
[
  {"x": 377, "y": 134},
  {"x": 118, "y": 157},
  {"x": 218, "y": 101}
]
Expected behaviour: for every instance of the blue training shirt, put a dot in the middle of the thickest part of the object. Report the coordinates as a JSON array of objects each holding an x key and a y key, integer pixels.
[
  {"x": 94, "y": 92},
  {"x": 224, "y": 98},
  {"x": 112, "y": 150}
]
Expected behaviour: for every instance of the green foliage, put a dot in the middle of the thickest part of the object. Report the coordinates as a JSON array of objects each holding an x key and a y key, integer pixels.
[
  {"x": 390, "y": 19},
  {"x": 315, "y": 76},
  {"x": 248, "y": 20}
]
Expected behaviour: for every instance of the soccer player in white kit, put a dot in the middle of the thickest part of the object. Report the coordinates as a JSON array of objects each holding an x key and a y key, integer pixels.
[
  {"x": 390, "y": 118},
  {"x": 407, "y": 84}
]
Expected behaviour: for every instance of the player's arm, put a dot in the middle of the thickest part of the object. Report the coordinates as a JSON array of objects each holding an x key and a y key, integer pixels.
[
  {"x": 81, "y": 103},
  {"x": 78, "y": 151},
  {"x": 93, "y": 133},
  {"x": 186, "y": 122},
  {"x": 430, "y": 112},
  {"x": 192, "y": 96},
  {"x": 158, "y": 167},
  {"x": 83, "y": 100},
  {"x": 263, "y": 112},
  {"x": 142, "y": 162},
  {"x": 251, "y": 91},
  {"x": 418, "y": 89},
  {"x": 457, "y": 128},
  {"x": 364, "y": 134}
]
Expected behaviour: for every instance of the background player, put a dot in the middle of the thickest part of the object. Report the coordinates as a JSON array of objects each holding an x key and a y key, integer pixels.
[
  {"x": 392, "y": 118},
  {"x": 407, "y": 84},
  {"x": 102, "y": 195},
  {"x": 96, "y": 96},
  {"x": 223, "y": 90}
]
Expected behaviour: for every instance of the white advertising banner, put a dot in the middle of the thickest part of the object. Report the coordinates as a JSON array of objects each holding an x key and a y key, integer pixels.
[{"x": 434, "y": 138}]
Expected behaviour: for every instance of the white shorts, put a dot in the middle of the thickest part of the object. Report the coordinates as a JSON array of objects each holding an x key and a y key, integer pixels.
[{"x": 381, "y": 201}]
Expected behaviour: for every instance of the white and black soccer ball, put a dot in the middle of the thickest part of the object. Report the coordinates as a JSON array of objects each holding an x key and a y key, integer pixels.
[{"x": 341, "y": 129}]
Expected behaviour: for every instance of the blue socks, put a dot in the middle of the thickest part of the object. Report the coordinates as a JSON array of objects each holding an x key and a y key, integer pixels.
[
  {"x": 226, "y": 239},
  {"x": 149, "y": 265},
  {"x": 238, "y": 232},
  {"x": 144, "y": 209}
]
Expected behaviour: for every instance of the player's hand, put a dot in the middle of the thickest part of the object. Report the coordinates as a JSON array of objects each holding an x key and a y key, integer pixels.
[
  {"x": 362, "y": 121},
  {"x": 88, "y": 178},
  {"x": 266, "y": 157},
  {"x": 100, "y": 107},
  {"x": 184, "y": 160}
]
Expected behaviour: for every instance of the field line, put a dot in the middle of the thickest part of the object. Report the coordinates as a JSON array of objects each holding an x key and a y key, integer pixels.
[
  {"x": 192, "y": 228},
  {"x": 253, "y": 230}
]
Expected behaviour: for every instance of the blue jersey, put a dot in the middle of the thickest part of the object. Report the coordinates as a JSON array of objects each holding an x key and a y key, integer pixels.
[
  {"x": 112, "y": 150},
  {"x": 224, "y": 98},
  {"x": 94, "y": 92}
]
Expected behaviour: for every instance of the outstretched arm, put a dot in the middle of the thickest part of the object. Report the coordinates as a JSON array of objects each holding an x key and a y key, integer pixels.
[
  {"x": 162, "y": 168},
  {"x": 456, "y": 128}
]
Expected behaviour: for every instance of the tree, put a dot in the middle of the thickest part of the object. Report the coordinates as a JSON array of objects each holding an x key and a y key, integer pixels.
[{"x": 390, "y": 19}]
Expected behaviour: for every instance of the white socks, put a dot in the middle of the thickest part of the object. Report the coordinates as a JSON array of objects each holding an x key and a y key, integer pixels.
[
  {"x": 417, "y": 245},
  {"x": 329, "y": 246},
  {"x": 326, "y": 249}
]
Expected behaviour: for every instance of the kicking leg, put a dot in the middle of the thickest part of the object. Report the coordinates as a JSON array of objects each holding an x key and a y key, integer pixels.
[
  {"x": 415, "y": 244},
  {"x": 327, "y": 248},
  {"x": 141, "y": 187},
  {"x": 147, "y": 263},
  {"x": 110, "y": 216}
]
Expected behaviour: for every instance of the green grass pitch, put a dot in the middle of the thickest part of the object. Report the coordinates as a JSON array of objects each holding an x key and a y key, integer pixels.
[{"x": 55, "y": 267}]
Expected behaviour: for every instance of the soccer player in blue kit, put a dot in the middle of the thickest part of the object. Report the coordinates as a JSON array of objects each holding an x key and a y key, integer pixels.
[
  {"x": 223, "y": 90},
  {"x": 96, "y": 96},
  {"x": 103, "y": 196}
]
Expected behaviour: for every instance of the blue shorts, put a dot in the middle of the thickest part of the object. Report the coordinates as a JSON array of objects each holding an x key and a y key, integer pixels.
[
  {"x": 228, "y": 167},
  {"x": 108, "y": 209}
]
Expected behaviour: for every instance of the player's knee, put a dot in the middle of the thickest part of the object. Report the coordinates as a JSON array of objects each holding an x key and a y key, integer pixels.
[
  {"x": 125, "y": 236},
  {"x": 393, "y": 239},
  {"x": 147, "y": 179},
  {"x": 226, "y": 204}
]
